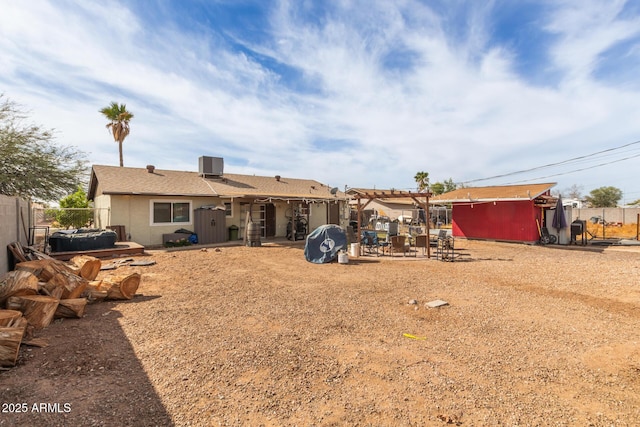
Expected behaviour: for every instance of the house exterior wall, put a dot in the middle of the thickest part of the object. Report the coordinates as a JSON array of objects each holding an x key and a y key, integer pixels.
[
  {"x": 102, "y": 211},
  {"x": 509, "y": 221},
  {"x": 134, "y": 212}
]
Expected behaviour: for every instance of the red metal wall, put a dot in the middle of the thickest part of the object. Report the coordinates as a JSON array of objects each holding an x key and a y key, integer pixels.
[{"x": 514, "y": 221}]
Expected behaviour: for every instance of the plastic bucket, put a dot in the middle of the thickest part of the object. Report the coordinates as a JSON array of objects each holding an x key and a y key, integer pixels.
[
  {"x": 343, "y": 258},
  {"x": 354, "y": 250}
]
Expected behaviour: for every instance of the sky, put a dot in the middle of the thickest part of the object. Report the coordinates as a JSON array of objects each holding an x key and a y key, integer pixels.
[{"x": 351, "y": 93}]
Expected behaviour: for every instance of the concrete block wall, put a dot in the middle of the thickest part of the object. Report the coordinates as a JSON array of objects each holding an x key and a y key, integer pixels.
[
  {"x": 621, "y": 215},
  {"x": 15, "y": 221}
]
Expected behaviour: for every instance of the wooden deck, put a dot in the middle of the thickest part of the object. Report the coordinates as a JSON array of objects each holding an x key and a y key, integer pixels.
[{"x": 120, "y": 249}]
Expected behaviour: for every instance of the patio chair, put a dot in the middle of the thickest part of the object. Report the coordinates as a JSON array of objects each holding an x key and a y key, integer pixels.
[
  {"x": 422, "y": 240},
  {"x": 445, "y": 247},
  {"x": 397, "y": 245},
  {"x": 369, "y": 241}
]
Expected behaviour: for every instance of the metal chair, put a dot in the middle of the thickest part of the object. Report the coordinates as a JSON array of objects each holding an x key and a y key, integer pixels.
[
  {"x": 445, "y": 247},
  {"x": 369, "y": 241}
]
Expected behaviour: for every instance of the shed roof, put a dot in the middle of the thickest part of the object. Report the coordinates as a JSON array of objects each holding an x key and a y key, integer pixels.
[
  {"x": 493, "y": 193},
  {"x": 139, "y": 181}
]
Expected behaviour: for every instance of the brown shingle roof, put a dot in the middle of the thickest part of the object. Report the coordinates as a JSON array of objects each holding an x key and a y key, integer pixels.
[
  {"x": 495, "y": 193},
  {"x": 138, "y": 181}
]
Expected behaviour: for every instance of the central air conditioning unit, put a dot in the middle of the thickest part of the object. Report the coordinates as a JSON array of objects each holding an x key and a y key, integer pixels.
[{"x": 210, "y": 166}]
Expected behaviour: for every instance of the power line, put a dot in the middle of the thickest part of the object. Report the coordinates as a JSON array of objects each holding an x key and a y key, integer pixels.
[
  {"x": 575, "y": 170},
  {"x": 574, "y": 159}
]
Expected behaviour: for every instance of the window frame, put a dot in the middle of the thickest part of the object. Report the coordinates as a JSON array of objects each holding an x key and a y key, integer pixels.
[
  {"x": 228, "y": 213},
  {"x": 172, "y": 202}
]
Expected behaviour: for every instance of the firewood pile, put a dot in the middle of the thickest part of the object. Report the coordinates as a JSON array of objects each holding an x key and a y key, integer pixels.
[{"x": 41, "y": 289}]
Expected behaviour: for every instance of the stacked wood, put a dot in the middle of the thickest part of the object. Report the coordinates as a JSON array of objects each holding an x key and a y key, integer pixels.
[
  {"x": 119, "y": 287},
  {"x": 37, "y": 309},
  {"x": 17, "y": 283},
  {"x": 42, "y": 288},
  {"x": 49, "y": 289},
  {"x": 7, "y": 317},
  {"x": 88, "y": 266},
  {"x": 45, "y": 269},
  {"x": 56, "y": 274},
  {"x": 72, "y": 286},
  {"x": 93, "y": 293},
  {"x": 71, "y": 308},
  {"x": 10, "y": 339}
]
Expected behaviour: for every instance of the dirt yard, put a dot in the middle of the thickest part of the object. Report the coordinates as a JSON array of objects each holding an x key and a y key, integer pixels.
[{"x": 238, "y": 336}]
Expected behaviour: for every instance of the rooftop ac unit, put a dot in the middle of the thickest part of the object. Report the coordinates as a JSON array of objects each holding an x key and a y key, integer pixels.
[{"x": 211, "y": 166}]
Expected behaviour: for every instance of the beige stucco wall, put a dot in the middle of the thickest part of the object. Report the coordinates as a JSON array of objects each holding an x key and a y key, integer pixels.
[{"x": 134, "y": 212}]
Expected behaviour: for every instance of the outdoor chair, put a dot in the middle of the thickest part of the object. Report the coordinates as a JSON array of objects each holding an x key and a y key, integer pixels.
[
  {"x": 445, "y": 247},
  {"x": 422, "y": 240},
  {"x": 369, "y": 241},
  {"x": 397, "y": 245}
]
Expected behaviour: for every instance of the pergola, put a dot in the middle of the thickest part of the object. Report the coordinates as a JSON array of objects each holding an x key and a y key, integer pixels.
[{"x": 394, "y": 194}]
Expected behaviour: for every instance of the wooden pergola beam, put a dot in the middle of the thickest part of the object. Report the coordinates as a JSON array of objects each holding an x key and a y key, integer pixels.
[{"x": 369, "y": 197}]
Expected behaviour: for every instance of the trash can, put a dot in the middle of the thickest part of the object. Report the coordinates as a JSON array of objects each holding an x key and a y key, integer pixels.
[{"x": 233, "y": 232}]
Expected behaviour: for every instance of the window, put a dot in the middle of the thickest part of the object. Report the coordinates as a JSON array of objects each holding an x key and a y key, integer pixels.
[
  {"x": 170, "y": 212},
  {"x": 227, "y": 209}
]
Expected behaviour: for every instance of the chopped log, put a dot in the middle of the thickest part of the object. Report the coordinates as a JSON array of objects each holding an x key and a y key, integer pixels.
[
  {"x": 8, "y": 317},
  {"x": 89, "y": 266},
  {"x": 17, "y": 251},
  {"x": 121, "y": 287},
  {"x": 71, "y": 308},
  {"x": 10, "y": 339},
  {"x": 37, "y": 309},
  {"x": 50, "y": 289},
  {"x": 45, "y": 269},
  {"x": 20, "y": 322},
  {"x": 17, "y": 283},
  {"x": 35, "y": 342},
  {"x": 72, "y": 285},
  {"x": 93, "y": 293}
]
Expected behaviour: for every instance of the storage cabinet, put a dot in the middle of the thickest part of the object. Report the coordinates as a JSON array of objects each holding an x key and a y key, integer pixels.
[{"x": 210, "y": 225}]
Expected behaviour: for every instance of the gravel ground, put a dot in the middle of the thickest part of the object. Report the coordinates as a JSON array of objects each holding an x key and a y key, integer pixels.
[{"x": 234, "y": 336}]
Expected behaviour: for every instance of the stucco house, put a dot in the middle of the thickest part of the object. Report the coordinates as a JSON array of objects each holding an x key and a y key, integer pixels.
[
  {"x": 150, "y": 203},
  {"x": 508, "y": 212}
]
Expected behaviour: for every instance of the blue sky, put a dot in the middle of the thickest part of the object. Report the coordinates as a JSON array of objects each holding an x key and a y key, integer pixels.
[{"x": 350, "y": 93}]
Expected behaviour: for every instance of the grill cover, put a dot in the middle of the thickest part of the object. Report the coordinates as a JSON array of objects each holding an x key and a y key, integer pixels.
[{"x": 324, "y": 243}]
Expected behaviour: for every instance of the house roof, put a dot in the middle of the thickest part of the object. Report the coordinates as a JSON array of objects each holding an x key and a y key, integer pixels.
[
  {"x": 495, "y": 193},
  {"x": 139, "y": 181}
]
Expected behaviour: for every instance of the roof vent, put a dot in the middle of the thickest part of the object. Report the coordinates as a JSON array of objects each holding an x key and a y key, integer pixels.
[
  {"x": 151, "y": 168},
  {"x": 210, "y": 166}
]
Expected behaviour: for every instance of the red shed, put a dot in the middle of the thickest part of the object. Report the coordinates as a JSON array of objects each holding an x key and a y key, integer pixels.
[{"x": 508, "y": 212}]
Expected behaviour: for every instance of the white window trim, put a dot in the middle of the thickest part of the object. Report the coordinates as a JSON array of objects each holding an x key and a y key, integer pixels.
[
  {"x": 172, "y": 201},
  {"x": 225, "y": 209}
]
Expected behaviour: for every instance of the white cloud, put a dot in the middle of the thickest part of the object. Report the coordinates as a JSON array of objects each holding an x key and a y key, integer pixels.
[{"x": 453, "y": 106}]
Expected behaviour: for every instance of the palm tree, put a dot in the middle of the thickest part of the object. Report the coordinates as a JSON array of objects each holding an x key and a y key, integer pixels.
[
  {"x": 422, "y": 179},
  {"x": 118, "y": 124}
]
